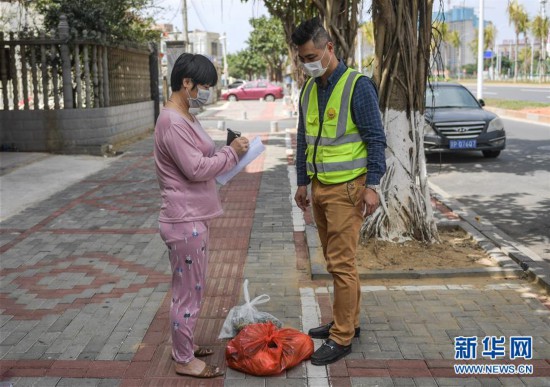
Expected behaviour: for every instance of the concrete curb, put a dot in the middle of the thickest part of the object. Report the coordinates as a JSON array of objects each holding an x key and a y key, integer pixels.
[
  {"x": 533, "y": 266},
  {"x": 514, "y": 260}
]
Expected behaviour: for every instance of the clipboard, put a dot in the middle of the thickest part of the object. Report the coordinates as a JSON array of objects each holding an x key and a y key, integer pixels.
[{"x": 255, "y": 149}]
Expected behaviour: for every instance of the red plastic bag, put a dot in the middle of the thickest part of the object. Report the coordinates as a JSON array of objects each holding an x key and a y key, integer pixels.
[{"x": 263, "y": 349}]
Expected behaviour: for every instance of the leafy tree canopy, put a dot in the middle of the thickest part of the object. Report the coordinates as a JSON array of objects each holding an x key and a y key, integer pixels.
[
  {"x": 339, "y": 19},
  {"x": 245, "y": 64},
  {"x": 540, "y": 27},
  {"x": 118, "y": 20},
  {"x": 267, "y": 40}
]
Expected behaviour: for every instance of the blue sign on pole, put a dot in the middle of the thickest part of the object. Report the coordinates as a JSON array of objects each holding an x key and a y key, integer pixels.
[{"x": 488, "y": 54}]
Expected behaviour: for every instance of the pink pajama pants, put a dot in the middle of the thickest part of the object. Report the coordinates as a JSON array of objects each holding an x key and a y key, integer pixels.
[{"x": 188, "y": 251}]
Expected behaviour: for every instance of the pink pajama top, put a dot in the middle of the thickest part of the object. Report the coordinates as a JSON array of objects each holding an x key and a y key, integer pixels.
[{"x": 187, "y": 163}]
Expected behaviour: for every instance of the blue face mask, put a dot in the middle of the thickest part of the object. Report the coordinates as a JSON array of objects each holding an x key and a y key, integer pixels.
[{"x": 202, "y": 98}]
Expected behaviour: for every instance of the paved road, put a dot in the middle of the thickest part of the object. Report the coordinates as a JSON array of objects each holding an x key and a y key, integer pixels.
[
  {"x": 85, "y": 301},
  {"x": 511, "y": 191},
  {"x": 250, "y": 116},
  {"x": 534, "y": 93}
]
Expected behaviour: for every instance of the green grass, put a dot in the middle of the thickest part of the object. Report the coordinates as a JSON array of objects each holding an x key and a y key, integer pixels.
[{"x": 513, "y": 104}]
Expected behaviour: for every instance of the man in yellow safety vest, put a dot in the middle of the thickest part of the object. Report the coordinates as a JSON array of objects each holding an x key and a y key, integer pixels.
[{"x": 340, "y": 151}]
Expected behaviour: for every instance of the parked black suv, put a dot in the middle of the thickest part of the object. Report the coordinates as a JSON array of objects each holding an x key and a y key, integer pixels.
[{"x": 456, "y": 122}]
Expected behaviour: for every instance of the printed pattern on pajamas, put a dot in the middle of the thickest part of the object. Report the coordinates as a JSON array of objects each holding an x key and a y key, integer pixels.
[{"x": 188, "y": 252}]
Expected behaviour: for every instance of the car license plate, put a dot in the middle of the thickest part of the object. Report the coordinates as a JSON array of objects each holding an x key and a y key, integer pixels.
[{"x": 463, "y": 144}]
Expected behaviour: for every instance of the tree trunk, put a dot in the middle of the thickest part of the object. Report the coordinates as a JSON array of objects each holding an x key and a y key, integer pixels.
[
  {"x": 341, "y": 21},
  {"x": 403, "y": 35}
]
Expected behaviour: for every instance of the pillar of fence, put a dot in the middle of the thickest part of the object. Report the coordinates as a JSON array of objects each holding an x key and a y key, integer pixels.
[
  {"x": 105, "y": 64},
  {"x": 44, "y": 72},
  {"x": 77, "y": 72},
  {"x": 63, "y": 32},
  {"x": 13, "y": 73},
  {"x": 86, "y": 60},
  {"x": 154, "y": 77},
  {"x": 4, "y": 73}
]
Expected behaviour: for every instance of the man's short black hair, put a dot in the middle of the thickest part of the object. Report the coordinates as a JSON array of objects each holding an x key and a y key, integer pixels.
[
  {"x": 195, "y": 66},
  {"x": 311, "y": 29}
]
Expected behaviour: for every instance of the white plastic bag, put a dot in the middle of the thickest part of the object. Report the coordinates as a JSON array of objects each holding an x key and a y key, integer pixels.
[{"x": 241, "y": 316}]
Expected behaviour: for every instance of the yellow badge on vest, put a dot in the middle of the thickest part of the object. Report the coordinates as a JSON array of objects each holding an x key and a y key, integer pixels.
[{"x": 331, "y": 113}]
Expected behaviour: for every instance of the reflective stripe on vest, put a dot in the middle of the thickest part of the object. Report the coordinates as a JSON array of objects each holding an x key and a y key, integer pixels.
[
  {"x": 335, "y": 150},
  {"x": 344, "y": 165}
]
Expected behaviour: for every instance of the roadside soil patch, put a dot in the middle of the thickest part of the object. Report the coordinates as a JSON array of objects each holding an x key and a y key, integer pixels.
[{"x": 456, "y": 250}]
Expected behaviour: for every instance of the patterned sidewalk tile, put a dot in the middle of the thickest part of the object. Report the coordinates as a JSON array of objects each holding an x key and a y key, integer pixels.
[{"x": 85, "y": 291}]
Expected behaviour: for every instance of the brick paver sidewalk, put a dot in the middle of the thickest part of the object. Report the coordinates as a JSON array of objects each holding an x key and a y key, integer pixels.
[{"x": 84, "y": 291}]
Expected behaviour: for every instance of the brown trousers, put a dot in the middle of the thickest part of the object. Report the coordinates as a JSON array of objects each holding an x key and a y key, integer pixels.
[{"x": 337, "y": 209}]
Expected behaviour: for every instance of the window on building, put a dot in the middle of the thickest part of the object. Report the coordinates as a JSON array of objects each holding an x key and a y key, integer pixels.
[{"x": 214, "y": 48}]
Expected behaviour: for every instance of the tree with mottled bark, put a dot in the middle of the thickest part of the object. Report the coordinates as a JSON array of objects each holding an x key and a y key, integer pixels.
[
  {"x": 403, "y": 34},
  {"x": 340, "y": 19}
]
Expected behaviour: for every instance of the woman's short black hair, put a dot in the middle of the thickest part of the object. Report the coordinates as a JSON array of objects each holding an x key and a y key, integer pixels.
[
  {"x": 195, "y": 66},
  {"x": 311, "y": 29}
]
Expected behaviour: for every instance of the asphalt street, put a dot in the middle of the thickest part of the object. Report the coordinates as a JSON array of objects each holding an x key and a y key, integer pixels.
[
  {"x": 510, "y": 191},
  {"x": 535, "y": 93}
]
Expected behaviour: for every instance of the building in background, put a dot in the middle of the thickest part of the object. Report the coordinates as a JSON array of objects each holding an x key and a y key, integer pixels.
[
  {"x": 465, "y": 22},
  {"x": 172, "y": 45}
]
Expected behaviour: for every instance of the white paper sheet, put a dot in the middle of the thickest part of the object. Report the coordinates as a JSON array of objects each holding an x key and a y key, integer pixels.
[{"x": 256, "y": 148}]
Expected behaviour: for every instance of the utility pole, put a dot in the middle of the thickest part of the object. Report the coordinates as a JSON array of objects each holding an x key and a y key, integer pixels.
[
  {"x": 480, "y": 44},
  {"x": 223, "y": 38},
  {"x": 499, "y": 62},
  {"x": 359, "y": 50},
  {"x": 184, "y": 17},
  {"x": 542, "y": 59},
  {"x": 462, "y": 48}
]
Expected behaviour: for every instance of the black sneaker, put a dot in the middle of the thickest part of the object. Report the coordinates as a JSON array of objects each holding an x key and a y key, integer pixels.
[
  {"x": 323, "y": 332},
  {"x": 330, "y": 352}
]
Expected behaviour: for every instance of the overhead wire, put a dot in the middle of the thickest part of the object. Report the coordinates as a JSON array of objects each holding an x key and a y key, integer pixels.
[
  {"x": 178, "y": 12},
  {"x": 199, "y": 16}
]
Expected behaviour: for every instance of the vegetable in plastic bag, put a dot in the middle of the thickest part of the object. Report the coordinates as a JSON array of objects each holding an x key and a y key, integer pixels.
[{"x": 243, "y": 315}]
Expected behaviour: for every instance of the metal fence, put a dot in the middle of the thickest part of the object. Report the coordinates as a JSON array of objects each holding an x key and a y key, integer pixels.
[{"x": 63, "y": 70}]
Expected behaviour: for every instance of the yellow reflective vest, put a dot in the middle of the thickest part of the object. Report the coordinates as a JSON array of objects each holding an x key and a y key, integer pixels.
[{"x": 335, "y": 152}]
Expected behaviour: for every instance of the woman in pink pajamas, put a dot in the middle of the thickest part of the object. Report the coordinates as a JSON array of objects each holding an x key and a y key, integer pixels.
[{"x": 186, "y": 164}]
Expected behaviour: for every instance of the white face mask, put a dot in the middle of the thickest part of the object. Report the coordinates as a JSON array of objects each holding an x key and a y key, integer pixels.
[
  {"x": 202, "y": 98},
  {"x": 316, "y": 69}
]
